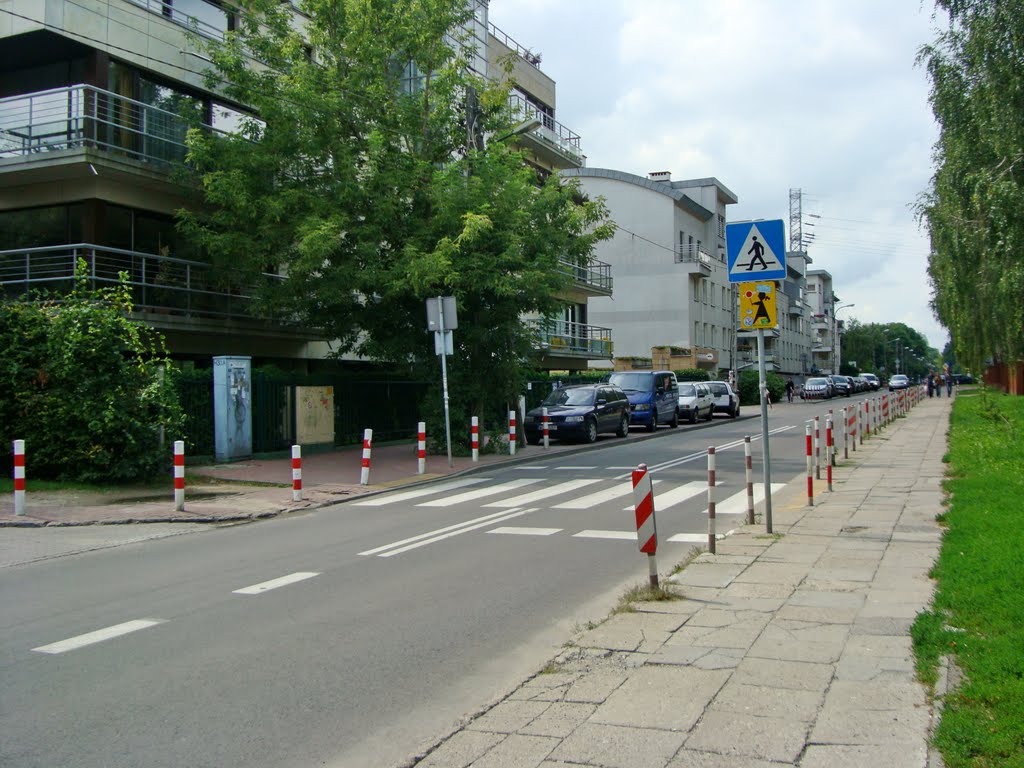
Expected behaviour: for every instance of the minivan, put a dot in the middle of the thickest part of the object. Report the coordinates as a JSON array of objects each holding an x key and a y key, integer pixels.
[{"x": 653, "y": 397}]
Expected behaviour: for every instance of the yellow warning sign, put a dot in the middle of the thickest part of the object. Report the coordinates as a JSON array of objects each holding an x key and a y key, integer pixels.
[{"x": 757, "y": 305}]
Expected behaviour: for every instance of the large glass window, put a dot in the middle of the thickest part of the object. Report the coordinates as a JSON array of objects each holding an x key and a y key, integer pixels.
[{"x": 40, "y": 227}]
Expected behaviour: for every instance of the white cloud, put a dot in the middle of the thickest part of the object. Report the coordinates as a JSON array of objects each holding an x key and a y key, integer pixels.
[{"x": 766, "y": 95}]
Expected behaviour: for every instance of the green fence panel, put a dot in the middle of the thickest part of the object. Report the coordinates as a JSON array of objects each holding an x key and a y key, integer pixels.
[
  {"x": 196, "y": 398},
  {"x": 273, "y": 414}
]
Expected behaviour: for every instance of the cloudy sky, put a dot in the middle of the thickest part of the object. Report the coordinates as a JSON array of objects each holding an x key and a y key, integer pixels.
[{"x": 767, "y": 96}]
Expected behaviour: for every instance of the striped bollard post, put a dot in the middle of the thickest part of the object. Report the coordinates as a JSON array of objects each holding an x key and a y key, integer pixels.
[
  {"x": 860, "y": 427},
  {"x": 852, "y": 424},
  {"x": 511, "y": 433},
  {"x": 749, "y": 464},
  {"x": 364, "y": 473},
  {"x": 809, "y": 428},
  {"x": 474, "y": 437},
  {"x": 545, "y": 420},
  {"x": 421, "y": 447},
  {"x": 19, "y": 477},
  {"x": 830, "y": 453},
  {"x": 296, "y": 473},
  {"x": 867, "y": 418},
  {"x": 817, "y": 448},
  {"x": 646, "y": 528},
  {"x": 711, "y": 499},
  {"x": 846, "y": 433},
  {"x": 179, "y": 475}
]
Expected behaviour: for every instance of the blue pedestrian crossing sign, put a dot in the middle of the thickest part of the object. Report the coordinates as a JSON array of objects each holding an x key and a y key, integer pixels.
[{"x": 756, "y": 250}]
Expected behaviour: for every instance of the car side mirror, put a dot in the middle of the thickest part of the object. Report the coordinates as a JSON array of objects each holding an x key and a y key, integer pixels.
[{"x": 601, "y": 401}]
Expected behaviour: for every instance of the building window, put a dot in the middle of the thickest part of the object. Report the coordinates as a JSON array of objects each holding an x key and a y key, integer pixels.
[{"x": 721, "y": 225}]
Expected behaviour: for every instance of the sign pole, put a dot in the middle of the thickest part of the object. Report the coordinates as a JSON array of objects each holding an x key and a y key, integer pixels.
[
  {"x": 444, "y": 383},
  {"x": 763, "y": 388}
]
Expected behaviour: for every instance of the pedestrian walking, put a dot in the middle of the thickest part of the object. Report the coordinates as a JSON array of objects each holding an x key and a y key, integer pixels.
[
  {"x": 949, "y": 385},
  {"x": 938, "y": 386},
  {"x": 790, "y": 386},
  {"x": 931, "y": 386}
]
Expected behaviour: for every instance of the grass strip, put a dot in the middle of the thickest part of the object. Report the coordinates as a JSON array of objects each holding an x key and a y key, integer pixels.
[{"x": 978, "y": 614}]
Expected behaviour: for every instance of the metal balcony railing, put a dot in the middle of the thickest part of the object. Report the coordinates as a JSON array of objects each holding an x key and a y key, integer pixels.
[
  {"x": 158, "y": 283},
  {"x": 693, "y": 254},
  {"x": 595, "y": 274},
  {"x": 524, "y": 53},
  {"x": 213, "y": 25},
  {"x": 84, "y": 116},
  {"x": 563, "y": 337},
  {"x": 550, "y": 131}
]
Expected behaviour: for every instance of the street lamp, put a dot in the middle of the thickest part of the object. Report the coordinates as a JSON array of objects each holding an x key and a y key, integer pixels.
[{"x": 836, "y": 357}]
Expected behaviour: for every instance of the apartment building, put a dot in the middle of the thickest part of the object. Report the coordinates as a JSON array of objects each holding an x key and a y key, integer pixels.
[
  {"x": 826, "y": 329},
  {"x": 668, "y": 261},
  {"x": 90, "y": 92}
]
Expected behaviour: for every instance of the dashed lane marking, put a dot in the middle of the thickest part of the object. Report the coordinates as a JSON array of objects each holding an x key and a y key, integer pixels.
[
  {"x": 90, "y": 638},
  {"x": 516, "y": 531},
  {"x": 266, "y": 586}
]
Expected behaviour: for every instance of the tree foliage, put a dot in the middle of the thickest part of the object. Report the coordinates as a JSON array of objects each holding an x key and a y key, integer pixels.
[
  {"x": 973, "y": 208},
  {"x": 875, "y": 347},
  {"x": 363, "y": 182},
  {"x": 85, "y": 387}
]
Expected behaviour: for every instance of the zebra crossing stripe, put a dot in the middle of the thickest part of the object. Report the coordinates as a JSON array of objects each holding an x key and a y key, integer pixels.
[
  {"x": 678, "y": 495},
  {"x": 379, "y": 501},
  {"x": 630, "y": 535},
  {"x": 600, "y": 497},
  {"x": 480, "y": 493},
  {"x": 543, "y": 493},
  {"x": 737, "y": 503}
]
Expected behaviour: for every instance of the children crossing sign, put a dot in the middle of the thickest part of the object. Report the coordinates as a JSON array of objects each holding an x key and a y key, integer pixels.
[
  {"x": 757, "y": 306},
  {"x": 756, "y": 250}
]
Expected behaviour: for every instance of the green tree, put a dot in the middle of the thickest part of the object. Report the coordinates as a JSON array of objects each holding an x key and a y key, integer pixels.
[
  {"x": 86, "y": 388},
  {"x": 973, "y": 207},
  {"x": 366, "y": 182},
  {"x": 875, "y": 348}
]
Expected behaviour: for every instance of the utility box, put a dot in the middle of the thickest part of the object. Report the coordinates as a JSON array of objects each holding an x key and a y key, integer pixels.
[
  {"x": 232, "y": 408},
  {"x": 314, "y": 422}
]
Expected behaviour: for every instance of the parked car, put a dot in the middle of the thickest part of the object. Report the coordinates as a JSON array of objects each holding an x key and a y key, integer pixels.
[
  {"x": 726, "y": 400},
  {"x": 842, "y": 385},
  {"x": 580, "y": 413},
  {"x": 872, "y": 381},
  {"x": 899, "y": 381},
  {"x": 695, "y": 401},
  {"x": 652, "y": 397},
  {"x": 816, "y": 388},
  {"x": 861, "y": 383}
]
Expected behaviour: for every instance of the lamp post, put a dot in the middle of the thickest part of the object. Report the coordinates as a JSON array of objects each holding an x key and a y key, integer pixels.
[{"x": 836, "y": 357}]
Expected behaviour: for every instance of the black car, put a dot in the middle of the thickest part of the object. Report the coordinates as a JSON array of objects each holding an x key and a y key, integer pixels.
[
  {"x": 580, "y": 413},
  {"x": 841, "y": 385}
]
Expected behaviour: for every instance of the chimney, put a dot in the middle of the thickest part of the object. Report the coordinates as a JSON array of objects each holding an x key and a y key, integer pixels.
[{"x": 665, "y": 176}]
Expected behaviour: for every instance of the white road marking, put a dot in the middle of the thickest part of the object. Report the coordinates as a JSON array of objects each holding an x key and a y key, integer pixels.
[
  {"x": 492, "y": 490},
  {"x": 600, "y": 497},
  {"x": 737, "y": 503},
  {"x": 284, "y": 581},
  {"x": 379, "y": 501},
  {"x": 526, "y": 531},
  {"x": 98, "y": 636},
  {"x": 543, "y": 493},
  {"x": 504, "y": 516},
  {"x": 572, "y": 468},
  {"x": 531, "y": 466},
  {"x": 689, "y": 538},
  {"x": 677, "y": 495},
  {"x": 605, "y": 535},
  {"x": 493, "y": 517}
]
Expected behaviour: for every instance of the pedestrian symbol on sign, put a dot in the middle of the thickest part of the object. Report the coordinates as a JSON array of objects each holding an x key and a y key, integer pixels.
[{"x": 758, "y": 250}]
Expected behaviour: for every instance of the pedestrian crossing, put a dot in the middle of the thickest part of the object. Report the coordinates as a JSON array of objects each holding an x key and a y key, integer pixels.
[{"x": 519, "y": 498}]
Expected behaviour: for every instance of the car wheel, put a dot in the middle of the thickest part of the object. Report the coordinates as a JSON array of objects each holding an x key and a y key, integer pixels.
[
  {"x": 675, "y": 419},
  {"x": 623, "y": 430},
  {"x": 735, "y": 411},
  {"x": 711, "y": 413},
  {"x": 693, "y": 417},
  {"x": 590, "y": 434},
  {"x": 654, "y": 422}
]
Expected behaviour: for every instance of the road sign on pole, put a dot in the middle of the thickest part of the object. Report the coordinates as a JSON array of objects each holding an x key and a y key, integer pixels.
[
  {"x": 442, "y": 320},
  {"x": 756, "y": 250},
  {"x": 757, "y": 306}
]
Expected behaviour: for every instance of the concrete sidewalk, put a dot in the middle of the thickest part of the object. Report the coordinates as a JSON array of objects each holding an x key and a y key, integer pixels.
[{"x": 787, "y": 650}]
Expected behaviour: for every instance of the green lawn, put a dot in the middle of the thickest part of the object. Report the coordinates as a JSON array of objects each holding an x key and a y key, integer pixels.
[{"x": 978, "y": 615}]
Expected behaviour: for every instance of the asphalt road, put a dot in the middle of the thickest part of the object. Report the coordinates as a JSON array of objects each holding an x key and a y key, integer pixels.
[{"x": 362, "y": 631}]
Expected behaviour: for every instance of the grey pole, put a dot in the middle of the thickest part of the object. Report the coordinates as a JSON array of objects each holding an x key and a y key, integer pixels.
[
  {"x": 444, "y": 383},
  {"x": 763, "y": 389}
]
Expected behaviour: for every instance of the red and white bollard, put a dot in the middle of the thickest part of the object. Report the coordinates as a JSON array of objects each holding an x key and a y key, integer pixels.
[
  {"x": 179, "y": 475},
  {"x": 711, "y": 499},
  {"x": 545, "y": 421},
  {"x": 511, "y": 433},
  {"x": 748, "y": 462},
  {"x": 845, "y": 418},
  {"x": 421, "y": 448},
  {"x": 646, "y": 529},
  {"x": 364, "y": 473},
  {"x": 810, "y": 465},
  {"x": 817, "y": 448},
  {"x": 296, "y": 473},
  {"x": 867, "y": 419},
  {"x": 19, "y": 477},
  {"x": 474, "y": 437},
  {"x": 829, "y": 452},
  {"x": 830, "y": 455}
]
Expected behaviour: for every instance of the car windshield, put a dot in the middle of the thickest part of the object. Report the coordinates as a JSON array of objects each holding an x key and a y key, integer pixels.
[
  {"x": 570, "y": 397},
  {"x": 839, "y": 379},
  {"x": 899, "y": 377},
  {"x": 817, "y": 383},
  {"x": 717, "y": 388},
  {"x": 687, "y": 390},
  {"x": 633, "y": 382}
]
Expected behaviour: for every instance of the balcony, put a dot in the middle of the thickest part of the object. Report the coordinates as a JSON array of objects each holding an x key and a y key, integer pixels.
[
  {"x": 165, "y": 290},
  {"x": 749, "y": 360},
  {"x": 695, "y": 260},
  {"x": 524, "y": 53},
  {"x": 593, "y": 278},
  {"x": 557, "y": 340},
  {"x": 551, "y": 141},
  {"x": 47, "y": 125},
  {"x": 795, "y": 310}
]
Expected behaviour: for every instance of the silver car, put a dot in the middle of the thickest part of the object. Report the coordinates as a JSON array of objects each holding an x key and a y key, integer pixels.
[
  {"x": 725, "y": 399},
  {"x": 695, "y": 401},
  {"x": 817, "y": 388}
]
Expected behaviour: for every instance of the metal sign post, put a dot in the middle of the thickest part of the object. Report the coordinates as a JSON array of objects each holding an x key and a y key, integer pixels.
[
  {"x": 442, "y": 320},
  {"x": 763, "y": 389}
]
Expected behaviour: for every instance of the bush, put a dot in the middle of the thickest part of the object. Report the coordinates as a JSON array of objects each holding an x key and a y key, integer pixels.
[
  {"x": 693, "y": 374},
  {"x": 748, "y": 386},
  {"x": 87, "y": 389}
]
